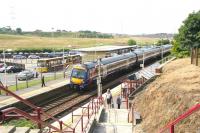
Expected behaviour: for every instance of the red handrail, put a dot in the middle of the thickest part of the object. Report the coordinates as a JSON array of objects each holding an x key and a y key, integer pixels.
[
  {"x": 181, "y": 117},
  {"x": 27, "y": 115},
  {"x": 38, "y": 109}
]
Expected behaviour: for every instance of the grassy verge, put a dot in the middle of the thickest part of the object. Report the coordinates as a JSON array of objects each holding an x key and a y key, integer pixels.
[{"x": 21, "y": 123}]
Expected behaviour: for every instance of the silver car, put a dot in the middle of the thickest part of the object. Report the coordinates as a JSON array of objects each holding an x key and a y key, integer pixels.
[{"x": 27, "y": 74}]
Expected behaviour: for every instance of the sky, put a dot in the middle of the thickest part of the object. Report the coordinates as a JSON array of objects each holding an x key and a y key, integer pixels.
[{"x": 108, "y": 16}]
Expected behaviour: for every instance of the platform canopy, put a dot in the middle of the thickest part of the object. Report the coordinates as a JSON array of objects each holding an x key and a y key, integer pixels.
[{"x": 106, "y": 48}]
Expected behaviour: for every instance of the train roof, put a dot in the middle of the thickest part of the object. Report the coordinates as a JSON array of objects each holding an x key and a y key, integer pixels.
[
  {"x": 109, "y": 60},
  {"x": 116, "y": 58}
]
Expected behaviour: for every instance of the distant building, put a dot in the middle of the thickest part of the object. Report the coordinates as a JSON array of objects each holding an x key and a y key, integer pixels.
[{"x": 92, "y": 53}]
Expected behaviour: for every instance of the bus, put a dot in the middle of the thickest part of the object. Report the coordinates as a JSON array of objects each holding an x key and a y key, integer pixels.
[{"x": 54, "y": 64}]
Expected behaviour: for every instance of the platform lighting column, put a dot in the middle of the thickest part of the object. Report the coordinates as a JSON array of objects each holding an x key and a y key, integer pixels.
[
  {"x": 143, "y": 60},
  {"x": 63, "y": 63},
  {"x": 5, "y": 73},
  {"x": 162, "y": 53},
  {"x": 99, "y": 78}
]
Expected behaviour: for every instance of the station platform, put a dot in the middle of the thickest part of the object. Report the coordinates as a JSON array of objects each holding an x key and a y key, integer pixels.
[
  {"x": 32, "y": 91},
  {"x": 108, "y": 120}
]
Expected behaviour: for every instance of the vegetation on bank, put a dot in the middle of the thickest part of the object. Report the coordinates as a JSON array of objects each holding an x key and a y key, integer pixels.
[
  {"x": 22, "y": 122},
  {"x": 188, "y": 36}
]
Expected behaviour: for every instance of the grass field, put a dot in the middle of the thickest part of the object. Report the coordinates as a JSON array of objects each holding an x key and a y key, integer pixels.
[{"x": 17, "y": 41}]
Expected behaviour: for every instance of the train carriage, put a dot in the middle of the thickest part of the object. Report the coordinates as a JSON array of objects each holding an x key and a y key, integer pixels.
[{"x": 84, "y": 75}]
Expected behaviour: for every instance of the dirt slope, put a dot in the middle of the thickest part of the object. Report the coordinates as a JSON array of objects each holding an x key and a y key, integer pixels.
[{"x": 170, "y": 95}]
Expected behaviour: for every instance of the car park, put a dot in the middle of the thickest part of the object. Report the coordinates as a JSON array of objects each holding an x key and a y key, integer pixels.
[
  {"x": 19, "y": 57},
  {"x": 27, "y": 74},
  {"x": 33, "y": 57}
]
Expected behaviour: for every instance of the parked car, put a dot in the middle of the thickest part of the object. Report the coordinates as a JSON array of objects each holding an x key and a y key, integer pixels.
[
  {"x": 2, "y": 69},
  {"x": 13, "y": 69},
  {"x": 19, "y": 57},
  {"x": 33, "y": 57},
  {"x": 27, "y": 74},
  {"x": 1, "y": 65},
  {"x": 51, "y": 55}
]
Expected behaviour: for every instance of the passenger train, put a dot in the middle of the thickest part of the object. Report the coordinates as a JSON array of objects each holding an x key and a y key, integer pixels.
[{"x": 84, "y": 75}]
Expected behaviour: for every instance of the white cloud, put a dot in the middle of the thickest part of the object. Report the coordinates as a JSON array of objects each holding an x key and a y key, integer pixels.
[{"x": 116, "y": 16}]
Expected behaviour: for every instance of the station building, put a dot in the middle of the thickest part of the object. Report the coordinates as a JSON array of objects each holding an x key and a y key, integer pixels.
[{"x": 92, "y": 53}]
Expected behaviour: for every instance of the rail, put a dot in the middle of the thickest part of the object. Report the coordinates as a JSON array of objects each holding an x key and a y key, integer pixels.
[
  {"x": 39, "y": 111},
  {"x": 172, "y": 124}
]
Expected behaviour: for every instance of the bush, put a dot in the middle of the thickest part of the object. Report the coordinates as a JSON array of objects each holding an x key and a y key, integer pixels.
[{"x": 131, "y": 42}]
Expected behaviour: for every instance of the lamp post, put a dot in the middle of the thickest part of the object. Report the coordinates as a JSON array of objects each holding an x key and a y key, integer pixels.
[
  {"x": 143, "y": 58},
  {"x": 99, "y": 78},
  {"x": 5, "y": 72}
]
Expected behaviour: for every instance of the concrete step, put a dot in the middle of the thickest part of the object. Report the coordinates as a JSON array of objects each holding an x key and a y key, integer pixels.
[
  {"x": 22, "y": 130},
  {"x": 35, "y": 131},
  {"x": 115, "y": 116},
  {"x": 112, "y": 128},
  {"x": 7, "y": 129}
]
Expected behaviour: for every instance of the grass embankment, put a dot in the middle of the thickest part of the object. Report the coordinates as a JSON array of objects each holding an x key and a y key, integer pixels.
[
  {"x": 170, "y": 95},
  {"x": 17, "y": 41}
]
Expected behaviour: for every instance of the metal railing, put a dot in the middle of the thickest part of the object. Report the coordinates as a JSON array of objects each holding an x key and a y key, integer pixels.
[
  {"x": 172, "y": 124},
  {"x": 4, "y": 114},
  {"x": 91, "y": 109}
]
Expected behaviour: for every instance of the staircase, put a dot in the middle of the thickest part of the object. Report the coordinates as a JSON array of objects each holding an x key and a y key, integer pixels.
[
  {"x": 113, "y": 121},
  {"x": 13, "y": 129}
]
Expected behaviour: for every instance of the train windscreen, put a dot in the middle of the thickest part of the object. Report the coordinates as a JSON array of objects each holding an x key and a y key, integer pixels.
[{"x": 78, "y": 73}]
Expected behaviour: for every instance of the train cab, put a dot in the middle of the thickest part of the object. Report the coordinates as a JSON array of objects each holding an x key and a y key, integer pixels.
[{"x": 78, "y": 77}]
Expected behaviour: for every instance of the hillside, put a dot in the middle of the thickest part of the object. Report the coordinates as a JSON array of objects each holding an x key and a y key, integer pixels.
[
  {"x": 17, "y": 41},
  {"x": 170, "y": 95}
]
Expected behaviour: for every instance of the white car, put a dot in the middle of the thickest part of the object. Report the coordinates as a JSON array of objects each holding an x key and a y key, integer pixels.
[
  {"x": 27, "y": 74},
  {"x": 33, "y": 57}
]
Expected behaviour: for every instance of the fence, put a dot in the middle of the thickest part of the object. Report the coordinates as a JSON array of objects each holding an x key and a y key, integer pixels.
[{"x": 30, "y": 80}]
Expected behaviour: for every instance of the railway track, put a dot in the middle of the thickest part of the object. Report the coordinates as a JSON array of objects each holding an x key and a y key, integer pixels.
[{"x": 65, "y": 104}]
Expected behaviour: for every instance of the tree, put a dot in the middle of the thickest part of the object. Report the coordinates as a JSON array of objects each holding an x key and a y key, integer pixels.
[
  {"x": 19, "y": 31},
  {"x": 163, "y": 42},
  {"x": 131, "y": 42},
  {"x": 189, "y": 32}
]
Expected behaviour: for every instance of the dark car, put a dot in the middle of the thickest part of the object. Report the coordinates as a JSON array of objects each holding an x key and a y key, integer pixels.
[
  {"x": 51, "y": 55},
  {"x": 33, "y": 57},
  {"x": 1, "y": 65},
  {"x": 19, "y": 57},
  {"x": 13, "y": 69}
]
